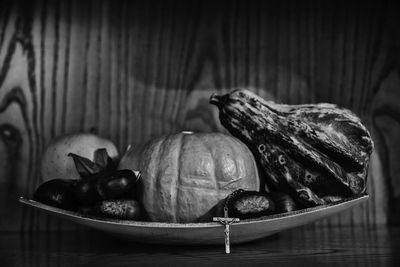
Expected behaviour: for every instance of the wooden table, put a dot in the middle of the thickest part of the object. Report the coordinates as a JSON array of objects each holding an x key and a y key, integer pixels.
[{"x": 345, "y": 246}]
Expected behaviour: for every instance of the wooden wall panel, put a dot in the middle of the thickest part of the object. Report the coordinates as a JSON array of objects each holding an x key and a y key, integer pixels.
[{"x": 131, "y": 71}]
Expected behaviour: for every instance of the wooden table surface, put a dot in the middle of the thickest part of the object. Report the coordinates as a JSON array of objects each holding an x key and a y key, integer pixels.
[{"x": 322, "y": 246}]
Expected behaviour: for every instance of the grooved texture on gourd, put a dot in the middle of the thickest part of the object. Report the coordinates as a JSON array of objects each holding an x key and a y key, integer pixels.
[{"x": 318, "y": 153}]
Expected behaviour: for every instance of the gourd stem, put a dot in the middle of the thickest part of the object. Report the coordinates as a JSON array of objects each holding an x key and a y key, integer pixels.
[{"x": 216, "y": 100}]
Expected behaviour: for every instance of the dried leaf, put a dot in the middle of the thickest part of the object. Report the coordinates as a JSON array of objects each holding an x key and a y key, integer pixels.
[
  {"x": 101, "y": 157},
  {"x": 85, "y": 166}
]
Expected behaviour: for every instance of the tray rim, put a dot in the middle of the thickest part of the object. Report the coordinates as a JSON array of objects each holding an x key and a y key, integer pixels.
[{"x": 146, "y": 224}]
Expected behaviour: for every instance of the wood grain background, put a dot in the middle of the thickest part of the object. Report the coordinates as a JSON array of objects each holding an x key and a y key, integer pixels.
[{"x": 131, "y": 71}]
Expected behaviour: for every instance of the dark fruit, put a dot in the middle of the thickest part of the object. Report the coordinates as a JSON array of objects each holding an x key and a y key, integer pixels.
[
  {"x": 116, "y": 184},
  {"x": 105, "y": 185},
  {"x": 85, "y": 191},
  {"x": 121, "y": 209},
  {"x": 57, "y": 193},
  {"x": 283, "y": 202}
]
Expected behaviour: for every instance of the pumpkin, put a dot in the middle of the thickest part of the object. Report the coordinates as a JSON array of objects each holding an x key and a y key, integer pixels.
[{"x": 184, "y": 175}]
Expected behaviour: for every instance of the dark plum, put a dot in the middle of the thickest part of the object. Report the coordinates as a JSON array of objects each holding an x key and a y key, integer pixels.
[
  {"x": 106, "y": 185},
  {"x": 116, "y": 184},
  {"x": 57, "y": 193},
  {"x": 283, "y": 202},
  {"x": 85, "y": 191}
]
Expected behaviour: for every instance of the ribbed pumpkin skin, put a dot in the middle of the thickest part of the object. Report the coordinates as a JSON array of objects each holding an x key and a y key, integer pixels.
[{"x": 185, "y": 175}]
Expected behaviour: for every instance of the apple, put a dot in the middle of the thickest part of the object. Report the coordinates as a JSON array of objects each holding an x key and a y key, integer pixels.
[{"x": 57, "y": 164}]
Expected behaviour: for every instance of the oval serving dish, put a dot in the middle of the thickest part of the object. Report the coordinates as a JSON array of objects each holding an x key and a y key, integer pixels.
[{"x": 200, "y": 233}]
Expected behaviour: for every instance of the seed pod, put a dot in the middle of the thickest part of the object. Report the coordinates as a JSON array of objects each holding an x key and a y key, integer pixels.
[
  {"x": 57, "y": 193},
  {"x": 283, "y": 202},
  {"x": 249, "y": 204},
  {"x": 121, "y": 209}
]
